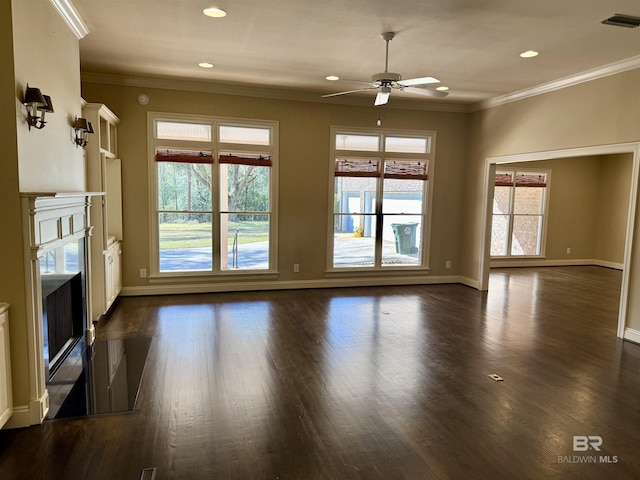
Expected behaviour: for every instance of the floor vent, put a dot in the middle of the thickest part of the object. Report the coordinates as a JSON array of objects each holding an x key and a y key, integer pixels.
[
  {"x": 621, "y": 20},
  {"x": 148, "y": 474}
]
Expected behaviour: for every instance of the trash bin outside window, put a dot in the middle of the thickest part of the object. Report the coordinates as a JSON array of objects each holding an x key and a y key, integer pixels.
[{"x": 405, "y": 235}]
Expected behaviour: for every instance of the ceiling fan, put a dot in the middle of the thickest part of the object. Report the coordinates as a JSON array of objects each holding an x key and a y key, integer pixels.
[{"x": 387, "y": 81}]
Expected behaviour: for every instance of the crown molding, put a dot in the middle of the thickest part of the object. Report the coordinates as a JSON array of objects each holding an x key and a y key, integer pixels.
[
  {"x": 190, "y": 85},
  {"x": 71, "y": 17},
  {"x": 587, "y": 76}
]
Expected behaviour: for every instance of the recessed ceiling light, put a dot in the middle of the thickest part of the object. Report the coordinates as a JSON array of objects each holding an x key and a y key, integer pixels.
[
  {"x": 529, "y": 54},
  {"x": 442, "y": 88},
  {"x": 205, "y": 65},
  {"x": 333, "y": 78},
  {"x": 214, "y": 12}
]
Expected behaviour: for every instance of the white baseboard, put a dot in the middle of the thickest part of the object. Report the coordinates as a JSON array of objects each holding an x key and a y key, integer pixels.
[
  {"x": 31, "y": 414},
  {"x": 21, "y": 417},
  {"x": 532, "y": 262},
  {"x": 183, "y": 288},
  {"x": 614, "y": 265},
  {"x": 470, "y": 282},
  {"x": 632, "y": 335}
]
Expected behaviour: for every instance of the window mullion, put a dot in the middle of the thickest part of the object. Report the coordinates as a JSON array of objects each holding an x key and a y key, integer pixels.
[
  {"x": 379, "y": 217},
  {"x": 216, "y": 244},
  {"x": 512, "y": 202}
]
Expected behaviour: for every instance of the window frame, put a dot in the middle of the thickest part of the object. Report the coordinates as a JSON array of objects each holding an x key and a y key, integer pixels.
[
  {"x": 216, "y": 147},
  {"x": 382, "y": 155},
  {"x": 512, "y": 215}
]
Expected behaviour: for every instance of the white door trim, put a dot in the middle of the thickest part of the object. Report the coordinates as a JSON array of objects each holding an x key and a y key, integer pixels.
[{"x": 485, "y": 239}]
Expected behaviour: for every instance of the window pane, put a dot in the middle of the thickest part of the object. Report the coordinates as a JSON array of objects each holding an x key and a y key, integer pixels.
[
  {"x": 354, "y": 241},
  {"x": 183, "y": 131},
  {"x": 185, "y": 242},
  {"x": 499, "y": 235},
  {"x": 244, "y": 241},
  {"x": 364, "y": 143},
  {"x": 406, "y": 145},
  {"x": 502, "y": 200},
  {"x": 184, "y": 186},
  {"x": 401, "y": 237},
  {"x": 244, "y": 188},
  {"x": 354, "y": 195},
  {"x": 402, "y": 196},
  {"x": 528, "y": 200},
  {"x": 526, "y": 235},
  {"x": 245, "y": 135}
]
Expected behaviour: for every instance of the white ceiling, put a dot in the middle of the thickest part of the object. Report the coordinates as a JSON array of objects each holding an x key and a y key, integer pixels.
[{"x": 472, "y": 46}]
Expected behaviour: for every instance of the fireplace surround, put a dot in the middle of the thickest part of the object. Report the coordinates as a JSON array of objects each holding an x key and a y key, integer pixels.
[{"x": 57, "y": 236}]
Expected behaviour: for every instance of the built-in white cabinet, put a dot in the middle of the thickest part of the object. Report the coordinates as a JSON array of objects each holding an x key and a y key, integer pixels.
[
  {"x": 104, "y": 174},
  {"x": 112, "y": 269},
  {"x": 6, "y": 394}
]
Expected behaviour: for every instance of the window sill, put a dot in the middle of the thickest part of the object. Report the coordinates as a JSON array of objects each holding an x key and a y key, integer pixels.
[
  {"x": 518, "y": 257},
  {"x": 190, "y": 277},
  {"x": 376, "y": 271}
]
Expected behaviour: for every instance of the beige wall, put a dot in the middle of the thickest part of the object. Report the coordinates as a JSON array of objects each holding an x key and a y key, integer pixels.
[
  {"x": 47, "y": 56},
  {"x": 613, "y": 207},
  {"x": 303, "y": 169},
  {"x": 601, "y": 112},
  {"x": 11, "y": 264},
  {"x": 37, "y": 47}
]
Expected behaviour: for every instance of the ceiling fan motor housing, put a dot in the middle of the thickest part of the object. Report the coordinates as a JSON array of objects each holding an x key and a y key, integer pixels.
[{"x": 386, "y": 77}]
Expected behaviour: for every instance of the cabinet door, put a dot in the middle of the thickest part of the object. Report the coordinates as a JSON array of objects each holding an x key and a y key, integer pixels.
[
  {"x": 117, "y": 270},
  {"x": 108, "y": 278},
  {"x": 6, "y": 401},
  {"x": 113, "y": 198}
]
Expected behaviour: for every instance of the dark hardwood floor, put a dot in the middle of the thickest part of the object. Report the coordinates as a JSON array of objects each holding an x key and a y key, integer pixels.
[{"x": 366, "y": 383}]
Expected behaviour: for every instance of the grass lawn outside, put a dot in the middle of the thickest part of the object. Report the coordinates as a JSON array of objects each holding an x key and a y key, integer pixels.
[{"x": 198, "y": 235}]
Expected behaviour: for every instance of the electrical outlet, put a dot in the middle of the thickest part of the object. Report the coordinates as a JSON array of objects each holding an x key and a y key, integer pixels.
[
  {"x": 447, "y": 264},
  {"x": 296, "y": 268},
  {"x": 568, "y": 250},
  {"x": 143, "y": 273}
]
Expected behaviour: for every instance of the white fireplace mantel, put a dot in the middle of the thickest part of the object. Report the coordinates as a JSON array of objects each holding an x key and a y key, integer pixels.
[{"x": 50, "y": 220}]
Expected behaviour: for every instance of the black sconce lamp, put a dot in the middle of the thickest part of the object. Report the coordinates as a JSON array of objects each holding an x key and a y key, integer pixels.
[
  {"x": 82, "y": 129},
  {"x": 36, "y": 102}
]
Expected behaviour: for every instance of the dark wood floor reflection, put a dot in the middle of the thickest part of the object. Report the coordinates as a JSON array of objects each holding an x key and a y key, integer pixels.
[{"x": 367, "y": 383}]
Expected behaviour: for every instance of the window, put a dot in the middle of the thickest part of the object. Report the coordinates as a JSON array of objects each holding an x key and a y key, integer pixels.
[
  {"x": 378, "y": 213},
  {"x": 519, "y": 208},
  {"x": 214, "y": 194}
]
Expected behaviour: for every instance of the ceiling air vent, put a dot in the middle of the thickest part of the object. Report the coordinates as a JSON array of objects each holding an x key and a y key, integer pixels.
[{"x": 621, "y": 20}]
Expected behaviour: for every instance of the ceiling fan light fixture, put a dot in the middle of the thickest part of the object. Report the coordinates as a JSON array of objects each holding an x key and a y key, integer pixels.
[
  {"x": 205, "y": 65},
  {"x": 442, "y": 88},
  {"x": 214, "y": 12},
  {"x": 332, "y": 78}
]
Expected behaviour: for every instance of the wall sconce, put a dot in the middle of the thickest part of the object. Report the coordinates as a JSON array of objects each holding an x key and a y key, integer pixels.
[
  {"x": 82, "y": 130},
  {"x": 36, "y": 102}
]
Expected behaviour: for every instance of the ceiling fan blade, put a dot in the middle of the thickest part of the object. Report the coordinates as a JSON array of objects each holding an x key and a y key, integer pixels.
[
  {"x": 412, "y": 82},
  {"x": 426, "y": 91},
  {"x": 382, "y": 98},
  {"x": 349, "y": 91}
]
